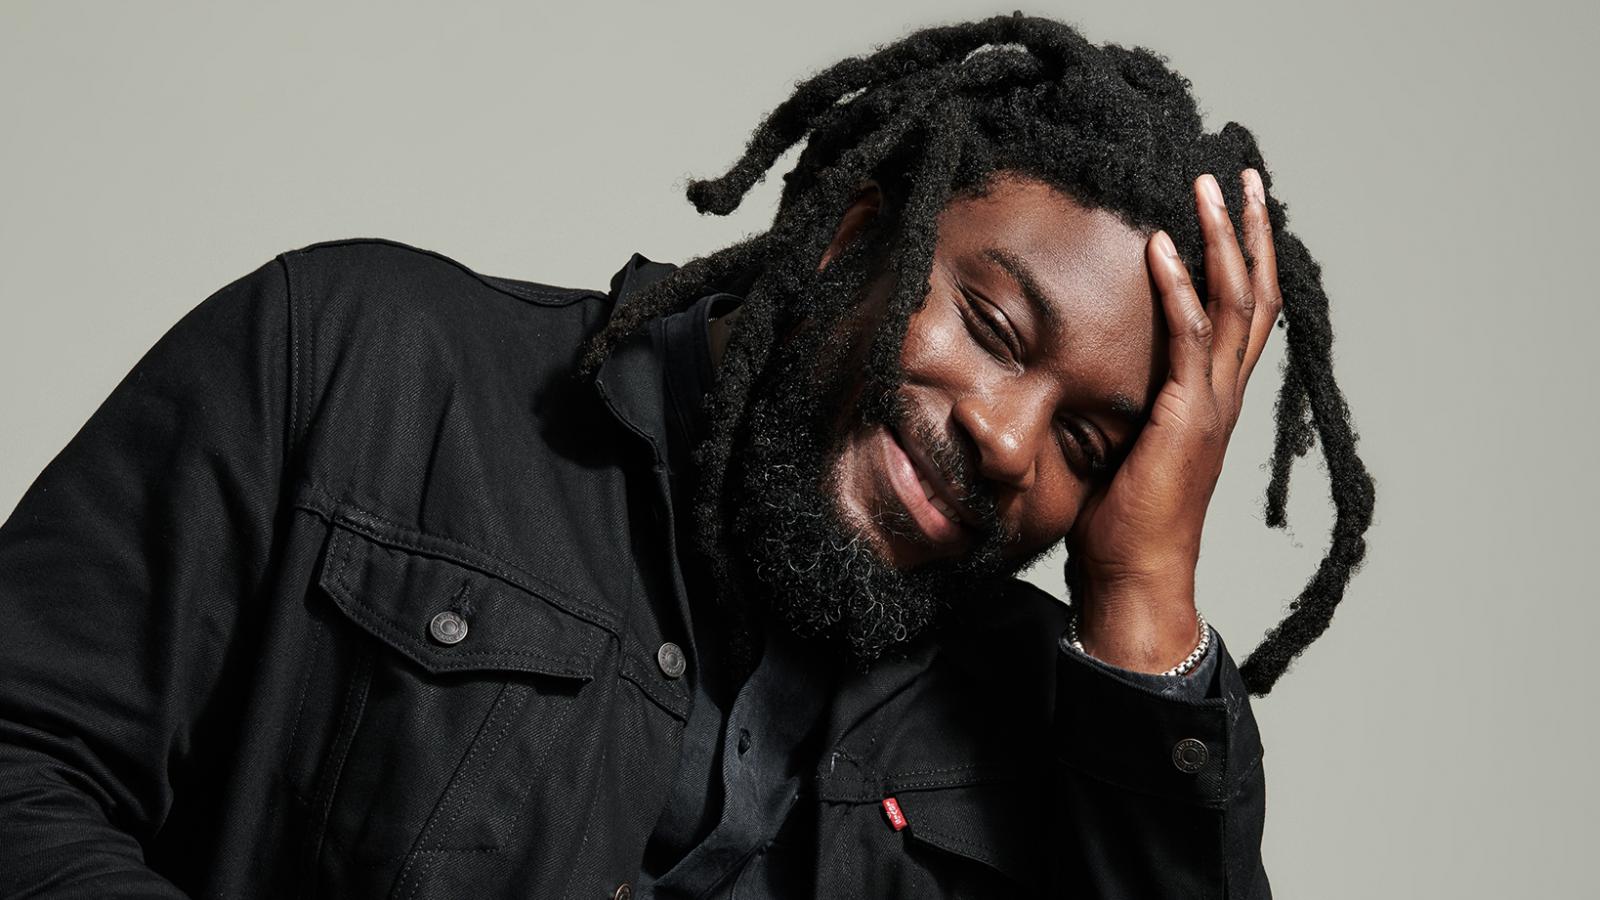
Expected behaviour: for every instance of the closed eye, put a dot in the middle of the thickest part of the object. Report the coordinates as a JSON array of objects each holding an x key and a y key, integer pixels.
[
  {"x": 994, "y": 331},
  {"x": 1084, "y": 451}
]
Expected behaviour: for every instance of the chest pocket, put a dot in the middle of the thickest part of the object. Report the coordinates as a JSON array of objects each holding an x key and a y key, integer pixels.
[
  {"x": 453, "y": 689},
  {"x": 993, "y": 824}
]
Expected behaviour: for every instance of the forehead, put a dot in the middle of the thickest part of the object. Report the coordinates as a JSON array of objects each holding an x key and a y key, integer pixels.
[
  {"x": 1087, "y": 263},
  {"x": 1089, "y": 260}
]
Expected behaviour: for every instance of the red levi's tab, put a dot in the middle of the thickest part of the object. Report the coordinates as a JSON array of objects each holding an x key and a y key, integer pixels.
[{"x": 891, "y": 808}]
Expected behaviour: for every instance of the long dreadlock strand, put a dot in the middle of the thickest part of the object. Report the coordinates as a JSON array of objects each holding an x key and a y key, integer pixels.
[
  {"x": 913, "y": 249},
  {"x": 1314, "y": 392}
]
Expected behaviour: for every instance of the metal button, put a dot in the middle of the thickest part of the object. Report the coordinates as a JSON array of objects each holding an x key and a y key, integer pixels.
[
  {"x": 1190, "y": 755},
  {"x": 448, "y": 628},
  {"x": 623, "y": 892},
  {"x": 670, "y": 658}
]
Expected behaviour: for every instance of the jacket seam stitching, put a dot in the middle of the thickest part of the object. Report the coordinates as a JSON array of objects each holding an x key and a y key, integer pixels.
[
  {"x": 293, "y": 290},
  {"x": 492, "y": 564},
  {"x": 649, "y": 689},
  {"x": 588, "y": 819},
  {"x": 465, "y": 777},
  {"x": 360, "y": 683},
  {"x": 926, "y": 784},
  {"x": 395, "y": 633},
  {"x": 436, "y": 255},
  {"x": 979, "y": 852},
  {"x": 1210, "y": 802}
]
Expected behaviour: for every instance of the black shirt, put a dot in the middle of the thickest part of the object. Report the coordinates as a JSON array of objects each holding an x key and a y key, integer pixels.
[{"x": 746, "y": 745}]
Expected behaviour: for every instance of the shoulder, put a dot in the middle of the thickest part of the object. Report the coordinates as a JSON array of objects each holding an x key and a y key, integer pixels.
[
  {"x": 382, "y": 301},
  {"x": 381, "y": 324},
  {"x": 395, "y": 271}
]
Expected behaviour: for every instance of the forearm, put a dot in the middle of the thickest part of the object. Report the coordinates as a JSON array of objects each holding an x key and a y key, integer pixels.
[
  {"x": 57, "y": 838},
  {"x": 1141, "y": 623},
  {"x": 124, "y": 572}
]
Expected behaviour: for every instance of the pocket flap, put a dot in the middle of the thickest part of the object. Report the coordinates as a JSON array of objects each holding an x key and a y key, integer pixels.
[
  {"x": 394, "y": 590},
  {"x": 993, "y": 823}
]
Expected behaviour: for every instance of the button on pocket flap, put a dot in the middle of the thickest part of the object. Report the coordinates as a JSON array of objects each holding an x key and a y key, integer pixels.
[
  {"x": 448, "y": 616},
  {"x": 993, "y": 823}
]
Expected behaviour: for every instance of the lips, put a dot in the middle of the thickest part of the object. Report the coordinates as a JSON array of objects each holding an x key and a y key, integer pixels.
[
  {"x": 920, "y": 491},
  {"x": 938, "y": 489}
]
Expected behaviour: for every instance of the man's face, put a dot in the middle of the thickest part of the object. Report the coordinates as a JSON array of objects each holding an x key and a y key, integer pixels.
[
  {"x": 1034, "y": 356},
  {"x": 1034, "y": 353}
]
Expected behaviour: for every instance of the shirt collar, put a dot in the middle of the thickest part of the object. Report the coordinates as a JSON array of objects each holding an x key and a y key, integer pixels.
[
  {"x": 655, "y": 382},
  {"x": 629, "y": 380}
]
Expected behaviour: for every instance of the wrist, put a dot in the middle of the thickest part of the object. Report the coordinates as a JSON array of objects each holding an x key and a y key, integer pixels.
[
  {"x": 1145, "y": 623},
  {"x": 1182, "y": 669}
]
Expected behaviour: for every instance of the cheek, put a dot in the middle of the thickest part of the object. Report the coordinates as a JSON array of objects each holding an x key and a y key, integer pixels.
[
  {"x": 1046, "y": 513},
  {"x": 938, "y": 350}
]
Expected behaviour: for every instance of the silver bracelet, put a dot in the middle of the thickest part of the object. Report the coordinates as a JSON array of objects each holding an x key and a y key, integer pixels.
[{"x": 1189, "y": 661}]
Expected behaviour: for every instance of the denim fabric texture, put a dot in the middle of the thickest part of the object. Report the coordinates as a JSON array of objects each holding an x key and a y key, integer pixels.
[{"x": 224, "y": 673}]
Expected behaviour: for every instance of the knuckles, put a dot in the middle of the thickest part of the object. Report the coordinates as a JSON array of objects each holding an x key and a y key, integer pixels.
[
  {"x": 1244, "y": 301},
  {"x": 1273, "y": 303}
]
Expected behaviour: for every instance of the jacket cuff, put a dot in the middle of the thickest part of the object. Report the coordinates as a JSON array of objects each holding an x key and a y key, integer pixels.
[
  {"x": 1196, "y": 684},
  {"x": 1193, "y": 749}
]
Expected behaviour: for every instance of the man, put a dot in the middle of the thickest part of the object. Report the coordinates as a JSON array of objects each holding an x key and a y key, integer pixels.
[{"x": 378, "y": 576}]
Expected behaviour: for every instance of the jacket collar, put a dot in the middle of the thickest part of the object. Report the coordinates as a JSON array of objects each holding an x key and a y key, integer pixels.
[{"x": 629, "y": 381}]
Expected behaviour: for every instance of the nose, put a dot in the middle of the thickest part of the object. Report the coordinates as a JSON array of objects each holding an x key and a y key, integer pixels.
[{"x": 1006, "y": 431}]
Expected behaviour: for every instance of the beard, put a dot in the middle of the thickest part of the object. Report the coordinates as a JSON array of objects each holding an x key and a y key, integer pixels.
[{"x": 798, "y": 557}]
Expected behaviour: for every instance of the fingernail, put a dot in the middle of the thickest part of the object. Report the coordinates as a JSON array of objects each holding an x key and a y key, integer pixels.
[
  {"x": 1164, "y": 244},
  {"x": 1213, "y": 191},
  {"x": 1252, "y": 186}
]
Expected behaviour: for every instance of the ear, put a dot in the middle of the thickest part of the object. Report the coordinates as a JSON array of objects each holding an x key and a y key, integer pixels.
[{"x": 863, "y": 208}]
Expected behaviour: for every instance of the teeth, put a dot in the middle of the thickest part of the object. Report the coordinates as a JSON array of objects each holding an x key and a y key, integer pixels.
[{"x": 939, "y": 504}]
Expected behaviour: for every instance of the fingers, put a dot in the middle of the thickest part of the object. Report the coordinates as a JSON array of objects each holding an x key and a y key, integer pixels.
[
  {"x": 1264, "y": 275},
  {"x": 1231, "y": 301},
  {"x": 1189, "y": 327}
]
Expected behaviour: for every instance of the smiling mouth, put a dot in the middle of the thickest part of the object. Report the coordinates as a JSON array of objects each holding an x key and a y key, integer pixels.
[
  {"x": 935, "y": 486},
  {"x": 938, "y": 502},
  {"x": 919, "y": 491}
]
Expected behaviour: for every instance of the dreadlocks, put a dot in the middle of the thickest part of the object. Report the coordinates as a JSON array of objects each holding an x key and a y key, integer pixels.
[{"x": 938, "y": 115}]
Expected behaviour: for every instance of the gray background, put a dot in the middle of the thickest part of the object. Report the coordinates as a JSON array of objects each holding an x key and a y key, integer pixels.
[{"x": 1439, "y": 741}]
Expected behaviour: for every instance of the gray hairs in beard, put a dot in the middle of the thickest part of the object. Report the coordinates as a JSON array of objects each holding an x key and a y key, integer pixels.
[{"x": 810, "y": 567}]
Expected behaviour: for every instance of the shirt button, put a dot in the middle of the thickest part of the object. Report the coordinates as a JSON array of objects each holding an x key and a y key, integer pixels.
[
  {"x": 448, "y": 628},
  {"x": 1190, "y": 755},
  {"x": 670, "y": 658},
  {"x": 623, "y": 892}
]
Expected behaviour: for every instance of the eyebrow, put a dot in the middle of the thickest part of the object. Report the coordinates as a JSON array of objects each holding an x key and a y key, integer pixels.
[
  {"x": 1126, "y": 408},
  {"x": 1044, "y": 306}
]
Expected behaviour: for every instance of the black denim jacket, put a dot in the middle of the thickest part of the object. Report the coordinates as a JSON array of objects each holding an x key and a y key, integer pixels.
[{"x": 350, "y": 589}]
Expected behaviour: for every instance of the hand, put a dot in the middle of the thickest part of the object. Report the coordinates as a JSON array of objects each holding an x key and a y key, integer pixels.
[{"x": 1134, "y": 546}]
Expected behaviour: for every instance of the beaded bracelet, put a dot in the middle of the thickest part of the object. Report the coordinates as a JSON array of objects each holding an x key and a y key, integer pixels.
[{"x": 1189, "y": 661}]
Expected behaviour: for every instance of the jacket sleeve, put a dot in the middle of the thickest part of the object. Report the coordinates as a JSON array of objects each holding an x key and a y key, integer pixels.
[
  {"x": 125, "y": 570},
  {"x": 1156, "y": 794}
]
